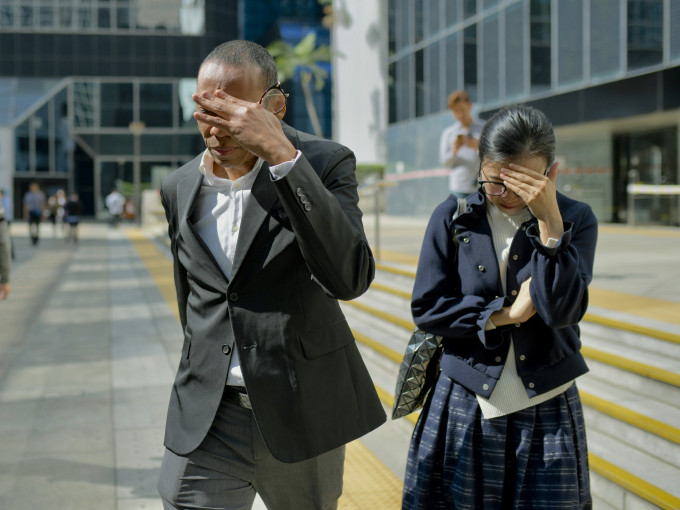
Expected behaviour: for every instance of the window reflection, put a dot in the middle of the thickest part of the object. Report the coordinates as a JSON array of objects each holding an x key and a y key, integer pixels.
[
  {"x": 645, "y": 32},
  {"x": 27, "y": 16},
  {"x": 175, "y": 16},
  {"x": 186, "y": 87},
  {"x": 116, "y": 104},
  {"x": 540, "y": 44},
  {"x": 22, "y": 155},
  {"x": 41, "y": 129},
  {"x": 155, "y": 102}
]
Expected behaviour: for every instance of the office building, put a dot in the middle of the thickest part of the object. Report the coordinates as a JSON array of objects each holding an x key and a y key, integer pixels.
[
  {"x": 606, "y": 72},
  {"x": 96, "y": 95}
]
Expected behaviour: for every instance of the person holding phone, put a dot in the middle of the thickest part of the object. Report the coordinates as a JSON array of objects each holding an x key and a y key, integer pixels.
[{"x": 458, "y": 145}]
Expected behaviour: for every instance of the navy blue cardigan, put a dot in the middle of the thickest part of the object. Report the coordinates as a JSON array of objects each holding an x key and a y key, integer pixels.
[{"x": 458, "y": 287}]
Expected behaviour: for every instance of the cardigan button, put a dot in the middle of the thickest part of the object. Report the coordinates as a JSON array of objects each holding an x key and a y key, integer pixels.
[
  {"x": 226, "y": 349},
  {"x": 498, "y": 359},
  {"x": 531, "y": 385},
  {"x": 466, "y": 240},
  {"x": 233, "y": 297},
  {"x": 514, "y": 293},
  {"x": 522, "y": 357},
  {"x": 515, "y": 257},
  {"x": 481, "y": 268},
  {"x": 485, "y": 387},
  {"x": 518, "y": 324}
]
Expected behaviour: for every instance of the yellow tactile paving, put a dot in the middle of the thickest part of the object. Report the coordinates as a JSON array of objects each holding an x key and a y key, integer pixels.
[
  {"x": 159, "y": 267},
  {"x": 650, "y": 308},
  {"x": 639, "y": 231},
  {"x": 368, "y": 483},
  {"x": 398, "y": 258}
]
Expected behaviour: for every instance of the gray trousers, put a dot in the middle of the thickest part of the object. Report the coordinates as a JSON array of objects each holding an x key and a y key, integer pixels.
[{"x": 233, "y": 464}]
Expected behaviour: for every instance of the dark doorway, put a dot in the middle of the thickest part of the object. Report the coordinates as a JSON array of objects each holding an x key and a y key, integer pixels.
[{"x": 645, "y": 158}]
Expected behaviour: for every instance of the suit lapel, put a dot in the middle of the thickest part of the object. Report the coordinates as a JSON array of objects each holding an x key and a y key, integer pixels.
[
  {"x": 188, "y": 190},
  {"x": 262, "y": 198}
]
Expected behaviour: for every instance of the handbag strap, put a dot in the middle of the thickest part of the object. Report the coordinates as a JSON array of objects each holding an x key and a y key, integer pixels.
[{"x": 462, "y": 206}]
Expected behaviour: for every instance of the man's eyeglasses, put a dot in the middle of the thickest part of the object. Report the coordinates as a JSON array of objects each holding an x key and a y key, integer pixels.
[
  {"x": 492, "y": 188},
  {"x": 274, "y": 98}
]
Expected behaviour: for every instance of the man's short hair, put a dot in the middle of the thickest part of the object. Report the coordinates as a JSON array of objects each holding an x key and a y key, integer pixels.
[
  {"x": 457, "y": 96},
  {"x": 242, "y": 53}
]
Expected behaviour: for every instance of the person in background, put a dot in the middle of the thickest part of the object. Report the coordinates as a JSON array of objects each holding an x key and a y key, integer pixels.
[
  {"x": 73, "y": 209},
  {"x": 458, "y": 145},
  {"x": 115, "y": 203},
  {"x": 9, "y": 217},
  {"x": 505, "y": 284},
  {"x": 5, "y": 255},
  {"x": 55, "y": 207},
  {"x": 34, "y": 206}
]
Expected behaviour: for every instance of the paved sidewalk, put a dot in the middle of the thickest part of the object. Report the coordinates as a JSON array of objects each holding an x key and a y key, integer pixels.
[
  {"x": 85, "y": 376},
  {"x": 89, "y": 346}
]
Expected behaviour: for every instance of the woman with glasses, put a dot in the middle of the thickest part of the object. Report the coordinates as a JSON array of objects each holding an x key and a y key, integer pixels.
[{"x": 505, "y": 283}]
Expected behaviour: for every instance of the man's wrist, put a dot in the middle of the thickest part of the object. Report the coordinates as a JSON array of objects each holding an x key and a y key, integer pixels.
[{"x": 283, "y": 155}]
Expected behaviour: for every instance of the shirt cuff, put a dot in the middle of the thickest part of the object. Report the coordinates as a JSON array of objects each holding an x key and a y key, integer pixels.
[
  {"x": 551, "y": 242},
  {"x": 282, "y": 169}
]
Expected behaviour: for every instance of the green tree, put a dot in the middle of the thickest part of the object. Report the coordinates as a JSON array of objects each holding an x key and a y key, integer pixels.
[{"x": 305, "y": 57}]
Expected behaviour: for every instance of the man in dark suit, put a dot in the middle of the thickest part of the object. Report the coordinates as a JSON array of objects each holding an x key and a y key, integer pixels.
[{"x": 266, "y": 236}]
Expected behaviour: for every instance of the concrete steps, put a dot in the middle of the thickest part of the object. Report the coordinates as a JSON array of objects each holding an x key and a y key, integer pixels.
[{"x": 631, "y": 396}]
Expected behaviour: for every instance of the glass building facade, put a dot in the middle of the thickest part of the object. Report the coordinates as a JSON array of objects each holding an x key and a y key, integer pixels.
[
  {"x": 606, "y": 72},
  {"x": 97, "y": 94},
  {"x": 114, "y": 16},
  {"x": 91, "y": 135}
]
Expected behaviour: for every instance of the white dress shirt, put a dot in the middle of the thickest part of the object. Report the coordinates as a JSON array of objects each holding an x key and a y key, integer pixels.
[{"x": 217, "y": 220}]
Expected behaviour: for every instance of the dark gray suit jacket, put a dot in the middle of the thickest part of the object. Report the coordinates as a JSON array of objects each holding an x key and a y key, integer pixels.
[{"x": 301, "y": 247}]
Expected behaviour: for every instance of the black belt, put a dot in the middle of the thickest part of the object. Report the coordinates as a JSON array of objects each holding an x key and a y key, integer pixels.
[{"x": 237, "y": 396}]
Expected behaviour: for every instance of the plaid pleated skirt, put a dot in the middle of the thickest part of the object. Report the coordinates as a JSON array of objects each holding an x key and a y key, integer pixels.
[{"x": 532, "y": 459}]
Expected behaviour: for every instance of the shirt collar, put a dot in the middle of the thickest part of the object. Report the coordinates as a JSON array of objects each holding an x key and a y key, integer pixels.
[{"x": 245, "y": 181}]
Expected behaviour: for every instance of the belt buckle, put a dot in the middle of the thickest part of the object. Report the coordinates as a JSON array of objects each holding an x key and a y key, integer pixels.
[{"x": 244, "y": 401}]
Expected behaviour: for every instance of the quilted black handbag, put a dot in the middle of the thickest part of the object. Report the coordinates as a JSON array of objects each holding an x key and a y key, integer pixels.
[
  {"x": 420, "y": 367},
  {"x": 418, "y": 372}
]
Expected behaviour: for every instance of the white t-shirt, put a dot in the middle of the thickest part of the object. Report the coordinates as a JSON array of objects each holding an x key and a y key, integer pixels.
[
  {"x": 465, "y": 164},
  {"x": 115, "y": 202}
]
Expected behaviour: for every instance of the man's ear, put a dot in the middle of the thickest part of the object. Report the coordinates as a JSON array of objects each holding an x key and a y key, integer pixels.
[{"x": 282, "y": 112}]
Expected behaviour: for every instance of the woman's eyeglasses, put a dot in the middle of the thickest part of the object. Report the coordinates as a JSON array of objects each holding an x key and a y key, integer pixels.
[
  {"x": 495, "y": 188},
  {"x": 492, "y": 188},
  {"x": 274, "y": 98}
]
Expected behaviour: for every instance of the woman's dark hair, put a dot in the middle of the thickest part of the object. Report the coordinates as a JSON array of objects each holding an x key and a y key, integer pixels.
[
  {"x": 241, "y": 53},
  {"x": 517, "y": 131}
]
